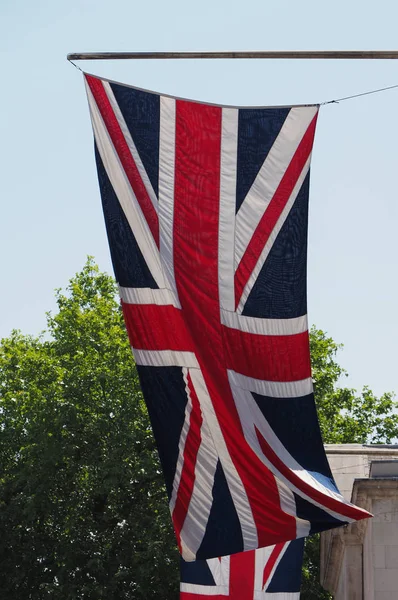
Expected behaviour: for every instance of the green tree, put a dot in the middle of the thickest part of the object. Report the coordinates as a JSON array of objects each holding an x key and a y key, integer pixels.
[
  {"x": 83, "y": 510},
  {"x": 82, "y": 503},
  {"x": 346, "y": 416}
]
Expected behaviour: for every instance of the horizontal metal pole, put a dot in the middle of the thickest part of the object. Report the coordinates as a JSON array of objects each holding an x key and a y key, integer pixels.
[{"x": 290, "y": 54}]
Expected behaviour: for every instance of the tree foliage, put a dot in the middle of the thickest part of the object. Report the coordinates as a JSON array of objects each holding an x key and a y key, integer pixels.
[
  {"x": 83, "y": 510},
  {"x": 346, "y": 416},
  {"x": 82, "y": 502}
]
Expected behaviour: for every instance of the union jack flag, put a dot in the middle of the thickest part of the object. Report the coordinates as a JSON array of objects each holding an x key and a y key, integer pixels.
[
  {"x": 272, "y": 573},
  {"x": 206, "y": 215}
]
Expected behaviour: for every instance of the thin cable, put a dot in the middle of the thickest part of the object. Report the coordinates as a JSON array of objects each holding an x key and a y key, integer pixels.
[
  {"x": 336, "y": 101},
  {"x": 77, "y": 67},
  {"x": 391, "y": 87}
]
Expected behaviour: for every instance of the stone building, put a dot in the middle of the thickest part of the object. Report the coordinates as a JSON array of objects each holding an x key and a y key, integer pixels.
[{"x": 360, "y": 561}]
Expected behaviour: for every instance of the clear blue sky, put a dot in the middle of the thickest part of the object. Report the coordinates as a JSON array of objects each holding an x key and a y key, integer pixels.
[{"x": 51, "y": 216}]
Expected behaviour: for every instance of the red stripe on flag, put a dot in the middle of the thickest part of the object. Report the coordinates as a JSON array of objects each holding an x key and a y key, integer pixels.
[
  {"x": 241, "y": 576},
  {"x": 123, "y": 151},
  {"x": 268, "y": 357},
  {"x": 196, "y": 223},
  {"x": 273, "y": 211},
  {"x": 346, "y": 510},
  {"x": 145, "y": 325},
  {"x": 271, "y": 562},
  {"x": 191, "y": 449}
]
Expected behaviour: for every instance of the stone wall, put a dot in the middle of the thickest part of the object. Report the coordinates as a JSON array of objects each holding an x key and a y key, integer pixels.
[
  {"x": 360, "y": 561},
  {"x": 385, "y": 547}
]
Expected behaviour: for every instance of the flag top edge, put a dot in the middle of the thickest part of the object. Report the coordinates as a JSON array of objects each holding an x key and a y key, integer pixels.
[{"x": 239, "y": 107}]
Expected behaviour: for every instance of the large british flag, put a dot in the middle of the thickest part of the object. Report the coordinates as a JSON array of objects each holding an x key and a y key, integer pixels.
[
  {"x": 272, "y": 573},
  {"x": 206, "y": 214}
]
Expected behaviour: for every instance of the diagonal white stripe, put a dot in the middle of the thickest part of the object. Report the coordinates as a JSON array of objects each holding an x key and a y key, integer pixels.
[
  {"x": 214, "y": 565},
  {"x": 219, "y": 568},
  {"x": 229, "y": 146},
  {"x": 264, "y": 326},
  {"x": 220, "y": 571},
  {"x": 235, "y": 485},
  {"x": 270, "y": 242},
  {"x": 130, "y": 143},
  {"x": 124, "y": 192},
  {"x": 166, "y": 190},
  {"x": 194, "y": 528},
  {"x": 270, "y": 176},
  {"x": 181, "y": 444},
  {"x": 278, "y": 560},
  {"x": 278, "y": 389},
  {"x": 288, "y": 505},
  {"x": 262, "y": 556},
  {"x": 250, "y": 415}
]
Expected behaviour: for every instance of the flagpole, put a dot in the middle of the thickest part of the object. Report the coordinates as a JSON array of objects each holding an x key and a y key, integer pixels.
[{"x": 267, "y": 54}]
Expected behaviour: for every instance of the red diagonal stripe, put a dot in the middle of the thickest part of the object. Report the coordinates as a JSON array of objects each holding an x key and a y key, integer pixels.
[
  {"x": 191, "y": 449},
  {"x": 271, "y": 562},
  {"x": 274, "y": 211},
  {"x": 145, "y": 325},
  {"x": 346, "y": 510},
  {"x": 124, "y": 154},
  {"x": 268, "y": 357}
]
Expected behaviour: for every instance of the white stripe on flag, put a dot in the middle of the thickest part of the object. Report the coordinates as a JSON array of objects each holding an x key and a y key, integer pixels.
[
  {"x": 125, "y": 193},
  {"x": 288, "y": 505},
  {"x": 214, "y": 565},
  {"x": 166, "y": 190},
  {"x": 204, "y": 590},
  {"x": 225, "y": 570},
  {"x": 262, "y": 556},
  {"x": 194, "y": 527},
  {"x": 130, "y": 143},
  {"x": 273, "y": 389},
  {"x": 264, "y": 326},
  {"x": 165, "y": 358},
  {"x": 251, "y": 417},
  {"x": 160, "y": 297},
  {"x": 278, "y": 226},
  {"x": 181, "y": 444},
  {"x": 235, "y": 485},
  {"x": 229, "y": 149},
  {"x": 278, "y": 560},
  {"x": 270, "y": 176},
  {"x": 219, "y": 568}
]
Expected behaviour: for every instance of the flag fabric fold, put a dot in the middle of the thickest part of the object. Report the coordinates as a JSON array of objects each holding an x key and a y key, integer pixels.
[
  {"x": 206, "y": 211},
  {"x": 272, "y": 573}
]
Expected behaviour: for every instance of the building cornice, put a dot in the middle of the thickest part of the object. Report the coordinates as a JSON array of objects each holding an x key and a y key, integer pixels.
[{"x": 359, "y": 449}]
